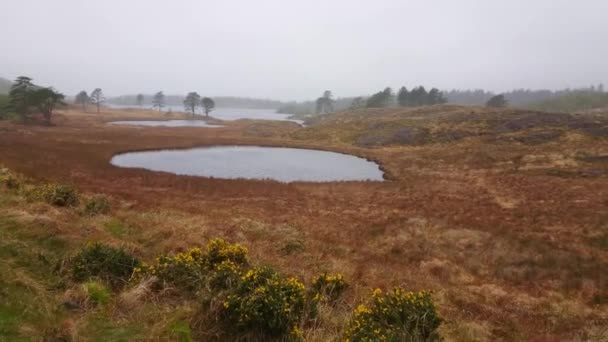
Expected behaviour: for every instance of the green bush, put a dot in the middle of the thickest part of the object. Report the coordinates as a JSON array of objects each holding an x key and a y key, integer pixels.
[
  {"x": 183, "y": 271},
  {"x": 96, "y": 206},
  {"x": 113, "y": 265},
  {"x": 265, "y": 303},
  {"x": 8, "y": 180},
  {"x": 328, "y": 288},
  {"x": 97, "y": 292},
  {"x": 220, "y": 264},
  {"x": 218, "y": 251},
  {"x": 395, "y": 316},
  {"x": 55, "y": 194},
  {"x": 225, "y": 276}
]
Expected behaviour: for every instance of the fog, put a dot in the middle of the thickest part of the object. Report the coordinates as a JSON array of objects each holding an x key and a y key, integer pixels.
[{"x": 296, "y": 49}]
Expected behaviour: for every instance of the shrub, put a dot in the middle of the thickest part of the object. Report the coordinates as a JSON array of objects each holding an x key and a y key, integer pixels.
[
  {"x": 328, "y": 288},
  {"x": 96, "y": 206},
  {"x": 183, "y": 271},
  {"x": 264, "y": 302},
  {"x": 220, "y": 264},
  {"x": 97, "y": 292},
  {"x": 56, "y": 194},
  {"x": 225, "y": 276},
  {"x": 395, "y": 316},
  {"x": 218, "y": 251},
  {"x": 9, "y": 180},
  {"x": 110, "y": 264}
]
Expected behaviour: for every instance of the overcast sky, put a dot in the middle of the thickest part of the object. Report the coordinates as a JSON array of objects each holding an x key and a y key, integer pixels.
[{"x": 296, "y": 49}]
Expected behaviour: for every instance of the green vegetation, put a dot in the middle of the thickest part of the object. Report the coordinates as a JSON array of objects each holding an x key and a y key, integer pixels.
[
  {"x": 112, "y": 265},
  {"x": 24, "y": 97},
  {"x": 395, "y": 316},
  {"x": 328, "y": 287},
  {"x": 581, "y": 100},
  {"x": 208, "y": 105},
  {"x": 59, "y": 195},
  {"x": 5, "y": 86},
  {"x": 215, "y": 288},
  {"x": 97, "y": 205},
  {"x": 4, "y": 107},
  {"x": 82, "y": 98},
  {"x": 265, "y": 302},
  {"x": 97, "y": 98},
  {"x": 497, "y": 101},
  {"x": 158, "y": 101},
  {"x": 419, "y": 97},
  {"x": 191, "y": 102}
]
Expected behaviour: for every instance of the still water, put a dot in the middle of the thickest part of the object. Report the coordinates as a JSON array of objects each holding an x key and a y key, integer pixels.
[
  {"x": 167, "y": 123},
  {"x": 255, "y": 162},
  {"x": 230, "y": 114}
]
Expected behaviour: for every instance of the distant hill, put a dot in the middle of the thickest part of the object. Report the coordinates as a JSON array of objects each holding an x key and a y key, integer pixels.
[
  {"x": 577, "y": 101},
  {"x": 5, "y": 85}
]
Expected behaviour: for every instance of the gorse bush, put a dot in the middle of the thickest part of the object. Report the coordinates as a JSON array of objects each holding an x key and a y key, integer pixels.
[
  {"x": 266, "y": 303},
  {"x": 395, "y": 316},
  {"x": 97, "y": 205},
  {"x": 219, "y": 251},
  {"x": 183, "y": 271},
  {"x": 107, "y": 263},
  {"x": 8, "y": 180},
  {"x": 225, "y": 275},
  {"x": 328, "y": 288},
  {"x": 220, "y": 264},
  {"x": 55, "y": 194}
]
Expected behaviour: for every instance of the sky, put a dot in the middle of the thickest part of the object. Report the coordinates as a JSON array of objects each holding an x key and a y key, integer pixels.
[{"x": 294, "y": 50}]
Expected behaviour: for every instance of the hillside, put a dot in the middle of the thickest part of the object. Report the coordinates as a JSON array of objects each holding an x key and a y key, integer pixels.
[{"x": 446, "y": 124}]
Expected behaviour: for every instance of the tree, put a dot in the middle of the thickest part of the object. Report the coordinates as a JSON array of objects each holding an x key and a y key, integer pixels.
[
  {"x": 158, "y": 101},
  {"x": 82, "y": 98},
  {"x": 97, "y": 98},
  {"x": 208, "y": 105},
  {"x": 357, "y": 103},
  {"x": 45, "y": 99},
  {"x": 497, "y": 101},
  {"x": 192, "y": 101},
  {"x": 380, "y": 99},
  {"x": 418, "y": 96},
  {"x": 435, "y": 97},
  {"x": 403, "y": 97},
  {"x": 325, "y": 103},
  {"x": 140, "y": 99},
  {"x": 19, "y": 96}
]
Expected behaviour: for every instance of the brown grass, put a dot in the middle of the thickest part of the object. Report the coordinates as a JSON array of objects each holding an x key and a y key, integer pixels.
[{"x": 500, "y": 230}]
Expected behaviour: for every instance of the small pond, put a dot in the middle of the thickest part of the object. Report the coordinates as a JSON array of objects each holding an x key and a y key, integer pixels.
[
  {"x": 255, "y": 162},
  {"x": 166, "y": 123}
]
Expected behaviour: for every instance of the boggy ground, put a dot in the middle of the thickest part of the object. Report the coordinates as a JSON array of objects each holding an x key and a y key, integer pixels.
[{"x": 502, "y": 213}]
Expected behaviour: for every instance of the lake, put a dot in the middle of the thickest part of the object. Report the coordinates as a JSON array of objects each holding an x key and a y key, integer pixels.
[
  {"x": 255, "y": 162},
  {"x": 167, "y": 123},
  {"x": 228, "y": 114}
]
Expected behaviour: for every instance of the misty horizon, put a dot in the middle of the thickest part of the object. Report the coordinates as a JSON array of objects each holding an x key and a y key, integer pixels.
[{"x": 294, "y": 50}]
